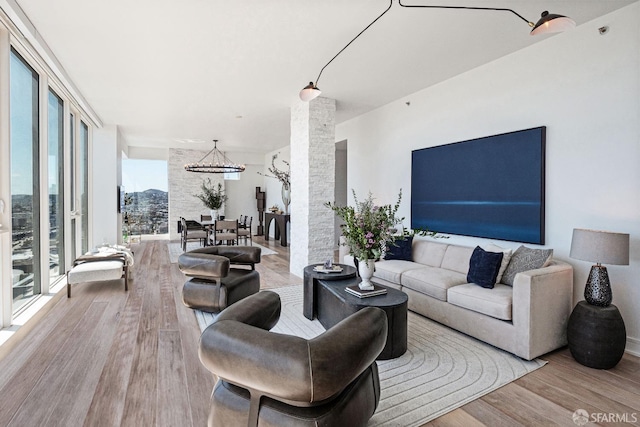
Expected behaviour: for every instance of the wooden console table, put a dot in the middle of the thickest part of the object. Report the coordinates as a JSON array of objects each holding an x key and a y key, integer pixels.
[{"x": 281, "y": 226}]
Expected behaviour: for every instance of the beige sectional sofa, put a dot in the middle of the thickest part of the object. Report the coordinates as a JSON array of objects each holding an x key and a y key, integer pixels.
[{"x": 527, "y": 319}]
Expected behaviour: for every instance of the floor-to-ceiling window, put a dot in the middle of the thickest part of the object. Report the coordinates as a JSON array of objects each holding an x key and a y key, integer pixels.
[
  {"x": 56, "y": 185},
  {"x": 84, "y": 184},
  {"x": 46, "y": 172},
  {"x": 25, "y": 194},
  {"x": 72, "y": 186}
]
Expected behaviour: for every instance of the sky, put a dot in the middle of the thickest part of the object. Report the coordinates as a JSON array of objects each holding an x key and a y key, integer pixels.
[{"x": 141, "y": 175}]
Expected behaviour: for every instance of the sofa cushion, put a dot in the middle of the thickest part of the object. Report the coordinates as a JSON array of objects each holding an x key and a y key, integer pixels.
[
  {"x": 506, "y": 256},
  {"x": 429, "y": 253},
  {"x": 431, "y": 281},
  {"x": 484, "y": 267},
  {"x": 392, "y": 270},
  {"x": 496, "y": 302},
  {"x": 457, "y": 258},
  {"x": 524, "y": 259},
  {"x": 400, "y": 249}
]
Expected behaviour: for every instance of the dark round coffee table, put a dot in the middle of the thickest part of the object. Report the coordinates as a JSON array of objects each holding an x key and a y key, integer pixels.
[
  {"x": 335, "y": 304},
  {"x": 310, "y": 287}
]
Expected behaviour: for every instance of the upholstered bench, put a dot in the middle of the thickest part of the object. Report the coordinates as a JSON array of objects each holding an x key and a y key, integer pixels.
[
  {"x": 89, "y": 268},
  {"x": 213, "y": 285}
]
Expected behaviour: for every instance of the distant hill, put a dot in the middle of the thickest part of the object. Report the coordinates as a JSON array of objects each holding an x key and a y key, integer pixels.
[
  {"x": 149, "y": 196},
  {"x": 153, "y": 191},
  {"x": 148, "y": 211}
]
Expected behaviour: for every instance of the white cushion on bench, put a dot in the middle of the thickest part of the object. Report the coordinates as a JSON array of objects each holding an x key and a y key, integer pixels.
[{"x": 95, "y": 271}]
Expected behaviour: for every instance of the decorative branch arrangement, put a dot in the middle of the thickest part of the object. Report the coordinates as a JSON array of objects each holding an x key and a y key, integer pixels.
[
  {"x": 281, "y": 175},
  {"x": 213, "y": 197}
]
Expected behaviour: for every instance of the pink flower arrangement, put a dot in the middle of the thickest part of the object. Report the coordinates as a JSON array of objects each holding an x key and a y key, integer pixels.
[{"x": 368, "y": 228}]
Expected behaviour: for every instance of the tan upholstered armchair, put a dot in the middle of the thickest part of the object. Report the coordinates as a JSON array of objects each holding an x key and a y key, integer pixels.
[{"x": 273, "y": 379}]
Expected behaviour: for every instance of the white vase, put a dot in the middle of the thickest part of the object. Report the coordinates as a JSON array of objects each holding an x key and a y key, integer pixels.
[
  {"x": 365, "y": 269},
  {"x": 214, "y": 214},
  {"x": 286, "y": 197}
]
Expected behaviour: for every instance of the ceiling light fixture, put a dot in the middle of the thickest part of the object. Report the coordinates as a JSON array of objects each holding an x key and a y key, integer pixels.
[
  {"x": 219, "y": 163},
  {"x": 548, "y": 23}
]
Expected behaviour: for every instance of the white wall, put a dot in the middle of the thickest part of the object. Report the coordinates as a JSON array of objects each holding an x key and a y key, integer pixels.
[
  {"x": 105, "y": 167},
  {"x": 242, "y": 195},
  {"x": 585, "y": 87},
  {"x": 272, "y": 186},
  {"x": 341, "y": 190},
  {"x": 182, "y": 187}
]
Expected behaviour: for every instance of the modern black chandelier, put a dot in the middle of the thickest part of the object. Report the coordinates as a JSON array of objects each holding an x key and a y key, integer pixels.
[
  {"x": 219, "y": 163},
  {"x": 548, "y": 23}
]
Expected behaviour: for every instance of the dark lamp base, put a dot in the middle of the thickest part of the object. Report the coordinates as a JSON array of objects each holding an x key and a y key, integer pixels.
[{"x": 598, "y": 290}]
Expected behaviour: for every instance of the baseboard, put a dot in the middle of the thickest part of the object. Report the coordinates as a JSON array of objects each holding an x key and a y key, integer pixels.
[{"x": 633, "y": 346}]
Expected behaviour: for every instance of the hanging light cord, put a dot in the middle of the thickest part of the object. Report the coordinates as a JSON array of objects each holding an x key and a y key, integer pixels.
[
  {"x": 352, "y": 40},
  {"x": 311, "y": 91},
  {"x": 531, "y": 24}
]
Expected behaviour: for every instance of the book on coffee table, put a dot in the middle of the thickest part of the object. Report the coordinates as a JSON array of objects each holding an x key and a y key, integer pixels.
[{"x": 355, "y": 290}]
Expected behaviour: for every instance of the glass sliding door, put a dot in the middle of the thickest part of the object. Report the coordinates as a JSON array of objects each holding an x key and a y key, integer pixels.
[
  {"x": 56, "y": 185},
  {"x": 84, "y": 185},
  {"x": 25, "y": 194}
]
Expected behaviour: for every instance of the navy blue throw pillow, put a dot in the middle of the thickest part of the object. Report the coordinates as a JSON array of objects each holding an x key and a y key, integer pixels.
[
  {"x": 484, "y": 267},
  {"x": 400, "y": 249}
]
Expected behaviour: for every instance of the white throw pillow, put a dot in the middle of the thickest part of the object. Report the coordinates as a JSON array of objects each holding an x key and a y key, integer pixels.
[{"x": 506, "y": 256}]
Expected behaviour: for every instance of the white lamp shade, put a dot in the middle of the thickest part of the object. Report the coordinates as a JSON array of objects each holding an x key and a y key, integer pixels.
[
  {"x": 309, "y": 92},
  {"x": 602, "y": 247},
  {"x": 551, "y": 23}
]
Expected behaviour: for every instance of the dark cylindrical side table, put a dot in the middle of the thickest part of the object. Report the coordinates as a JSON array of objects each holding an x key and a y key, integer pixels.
[
  {"x": 596, "y": 335},
  {"x": 310, "y": 289}
]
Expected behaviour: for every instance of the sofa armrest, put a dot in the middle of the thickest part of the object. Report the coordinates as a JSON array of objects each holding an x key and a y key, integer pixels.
[{"x": 542, "y": 303}]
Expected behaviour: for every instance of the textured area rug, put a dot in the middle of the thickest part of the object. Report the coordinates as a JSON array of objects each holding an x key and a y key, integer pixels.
[
  {"x": 175, "y": 250},
  {"x": 441, "y": 370}
]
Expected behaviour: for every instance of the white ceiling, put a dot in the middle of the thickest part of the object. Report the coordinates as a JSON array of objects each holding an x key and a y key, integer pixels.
[{"x": 167, "y": 70}]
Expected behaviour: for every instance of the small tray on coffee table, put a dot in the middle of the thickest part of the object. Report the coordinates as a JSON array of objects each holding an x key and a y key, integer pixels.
[{"x": 322, "y": 269}]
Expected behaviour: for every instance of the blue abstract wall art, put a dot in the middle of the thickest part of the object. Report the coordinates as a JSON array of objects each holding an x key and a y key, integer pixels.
[{"x": 491, "y": 187}]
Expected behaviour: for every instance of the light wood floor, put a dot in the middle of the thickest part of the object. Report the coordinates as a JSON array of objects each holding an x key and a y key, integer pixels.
[{"x": 110, "y": 358}]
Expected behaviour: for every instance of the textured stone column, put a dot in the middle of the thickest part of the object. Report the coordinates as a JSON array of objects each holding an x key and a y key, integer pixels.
[
  {"x": 312, "y": 182},
  {"x": 182, "y": 187}
]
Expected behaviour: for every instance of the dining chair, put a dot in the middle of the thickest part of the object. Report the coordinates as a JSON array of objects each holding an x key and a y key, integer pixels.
[
  {"x": 225, "y": 231},
  {"x": 205, "y": 217},
  {"x": 192, "y": 230},
  {"x": 245, "y": 232}
]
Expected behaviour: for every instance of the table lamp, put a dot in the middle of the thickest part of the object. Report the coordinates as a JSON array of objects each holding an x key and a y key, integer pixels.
[{"x": 601, "y": 247}]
